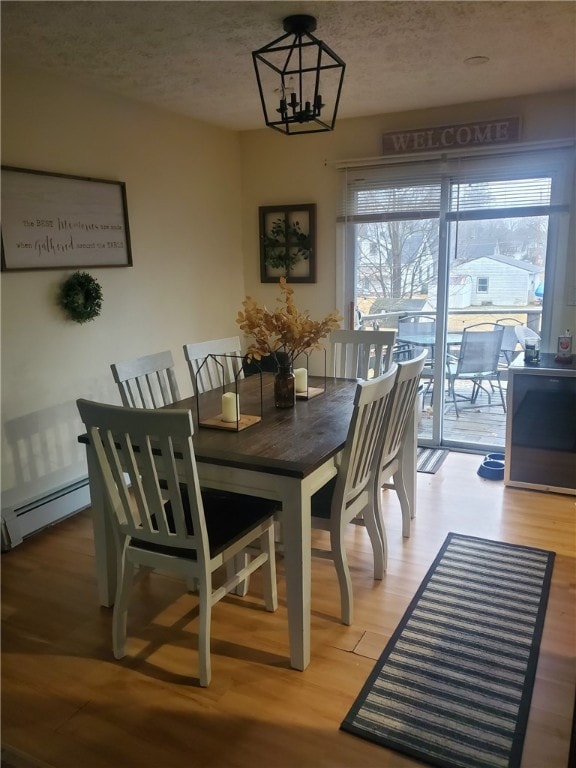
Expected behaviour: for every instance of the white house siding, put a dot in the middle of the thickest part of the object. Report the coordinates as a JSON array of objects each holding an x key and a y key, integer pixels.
[{"x": 507, "y": 284}]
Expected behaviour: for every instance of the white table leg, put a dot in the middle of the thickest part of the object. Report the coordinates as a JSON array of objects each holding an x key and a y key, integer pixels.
[
  {"x": 296, "y": 528},
  {"x": 294, "y": 495}
]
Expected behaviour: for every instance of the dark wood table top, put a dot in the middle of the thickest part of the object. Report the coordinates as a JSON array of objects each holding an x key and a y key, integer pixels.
[{"x": 290, "y": 442}]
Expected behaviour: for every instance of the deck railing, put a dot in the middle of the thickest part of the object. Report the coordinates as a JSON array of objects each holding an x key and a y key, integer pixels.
[{"x": 530, "y": 316}]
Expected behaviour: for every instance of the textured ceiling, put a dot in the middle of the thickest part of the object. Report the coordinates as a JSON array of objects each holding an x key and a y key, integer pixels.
[{"x": 194, "y": 57}]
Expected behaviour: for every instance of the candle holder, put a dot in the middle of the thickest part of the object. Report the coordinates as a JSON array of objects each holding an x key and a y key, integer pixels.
[
  {"x": 243, "y": 420},
  {"x": 311, "y": 391}
]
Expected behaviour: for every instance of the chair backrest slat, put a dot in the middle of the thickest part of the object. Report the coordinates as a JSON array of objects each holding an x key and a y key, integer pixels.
[
  {"x": 360, "y": 354},
  {"x": 160, "y": 378},
  {"x": 112, "y": 471},
  {"x": 148, "y": 381},
  {"x": 147, "y": 445},
  {"x": 209, "y": 372},
  {"x": 151, "y": 503}
]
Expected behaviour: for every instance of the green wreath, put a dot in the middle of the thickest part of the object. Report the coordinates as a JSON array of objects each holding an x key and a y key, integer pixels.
[{"x": 81, "y": 297}]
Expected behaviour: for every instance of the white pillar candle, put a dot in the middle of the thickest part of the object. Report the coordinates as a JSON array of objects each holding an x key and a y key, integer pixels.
[
  {"x": 301, "y": 379},
  {"x": 230, "y": 407}
]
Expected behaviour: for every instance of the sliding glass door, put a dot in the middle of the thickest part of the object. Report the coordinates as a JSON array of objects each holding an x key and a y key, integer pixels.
[
  {"x": 497, "y": 251},
  {"x": 443, "y": 250}
]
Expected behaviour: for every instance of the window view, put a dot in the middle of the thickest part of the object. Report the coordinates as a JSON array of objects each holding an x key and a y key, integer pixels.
[
  {"x": 475, "y": 265},
  {"x": 396, "y": 262}
]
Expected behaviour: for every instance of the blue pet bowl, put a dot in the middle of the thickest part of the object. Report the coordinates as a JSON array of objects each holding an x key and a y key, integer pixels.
[
  {"x": 494, "y": 457},
  {"x": 491, "y": 469}
]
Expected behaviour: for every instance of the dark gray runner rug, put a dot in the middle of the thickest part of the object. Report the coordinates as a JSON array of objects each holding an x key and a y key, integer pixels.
[
  {"x": 430, "y": 460},
  {"x": 454, "y": 683}
]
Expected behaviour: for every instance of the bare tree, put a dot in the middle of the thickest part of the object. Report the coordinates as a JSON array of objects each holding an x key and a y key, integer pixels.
[{"x": 395, "y": 257}]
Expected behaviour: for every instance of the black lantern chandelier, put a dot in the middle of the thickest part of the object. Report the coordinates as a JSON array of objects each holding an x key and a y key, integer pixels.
[{"x": 299, "y": 79}]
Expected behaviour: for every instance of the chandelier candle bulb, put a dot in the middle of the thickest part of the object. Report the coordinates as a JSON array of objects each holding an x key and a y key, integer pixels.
[
  {"x": 301, "y": 377},
  {"x": 230, "y": 407}
]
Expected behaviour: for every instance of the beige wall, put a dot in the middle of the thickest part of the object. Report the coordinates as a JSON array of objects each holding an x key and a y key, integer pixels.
[
  {"x": 278, "y": 169},
  {"x": 193, "y": 196},
  {"x": 183, "y": 187}
]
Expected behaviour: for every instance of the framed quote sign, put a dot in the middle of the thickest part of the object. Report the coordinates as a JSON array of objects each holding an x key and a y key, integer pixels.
[{"x": 57, "y": 221}]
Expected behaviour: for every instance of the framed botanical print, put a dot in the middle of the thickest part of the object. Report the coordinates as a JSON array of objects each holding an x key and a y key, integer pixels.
[{"x": 288, "y": 243}]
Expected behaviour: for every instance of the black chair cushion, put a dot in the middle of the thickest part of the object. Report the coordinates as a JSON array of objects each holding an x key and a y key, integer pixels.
[
  {"x": 322, "y": 500},
  {"x": 228, "y": 517}
]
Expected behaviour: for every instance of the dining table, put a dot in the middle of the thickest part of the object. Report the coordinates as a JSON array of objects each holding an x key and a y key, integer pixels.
[{"x": 284, "y": 454}]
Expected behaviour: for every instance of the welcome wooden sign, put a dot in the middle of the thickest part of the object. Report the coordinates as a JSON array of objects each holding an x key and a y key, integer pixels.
[{"x": 446, "y": 137}]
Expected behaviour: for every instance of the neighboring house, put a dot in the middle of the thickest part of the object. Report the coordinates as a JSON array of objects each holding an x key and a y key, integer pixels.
[
  {"x": 495, "y": 279},
  {"x": 491, "y": 279}
]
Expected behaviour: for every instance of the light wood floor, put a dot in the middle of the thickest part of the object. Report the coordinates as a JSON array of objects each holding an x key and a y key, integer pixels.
[{"x": 67, "y": 703}]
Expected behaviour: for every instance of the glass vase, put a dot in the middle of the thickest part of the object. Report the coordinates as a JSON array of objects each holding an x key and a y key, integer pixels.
[{"x": 284, "y": 382}]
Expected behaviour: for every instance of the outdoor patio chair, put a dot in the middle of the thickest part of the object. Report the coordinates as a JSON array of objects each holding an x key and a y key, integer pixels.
[
  {"x": 411, "y": 327},
  {"x": 477, "y": 362},
  {"x": 421, "y": 330}
]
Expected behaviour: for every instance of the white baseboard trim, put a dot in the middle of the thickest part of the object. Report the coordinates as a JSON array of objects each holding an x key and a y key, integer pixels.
[{"x": 31, "y": 516}]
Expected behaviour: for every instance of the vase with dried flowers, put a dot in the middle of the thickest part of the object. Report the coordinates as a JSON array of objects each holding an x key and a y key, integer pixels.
[{"x": 285, "y": 334}]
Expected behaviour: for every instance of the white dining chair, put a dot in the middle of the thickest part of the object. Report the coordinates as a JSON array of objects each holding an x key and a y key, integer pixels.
[
  {"x": 350, "y": 492},
  {"x": 360, "y": 354},
  {"x": 148, "y": 381},
  {"x": 180, "y": 527},
  {"x": 209, "y": 372},
  {"x": 390, "y": 463}
]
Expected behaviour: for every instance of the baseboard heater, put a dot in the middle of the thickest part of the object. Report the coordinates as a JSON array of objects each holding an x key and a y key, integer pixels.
[{"x": 42, "y": 511}]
